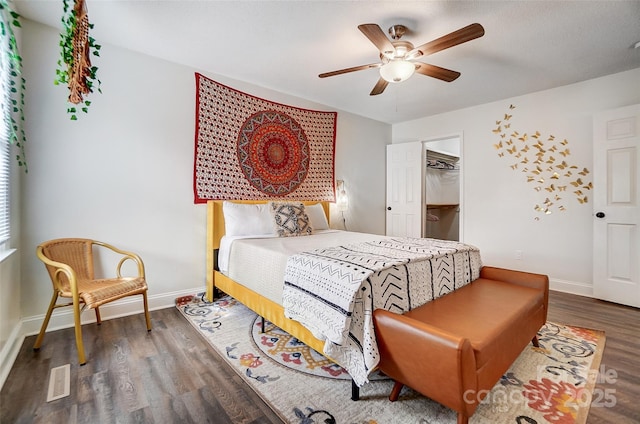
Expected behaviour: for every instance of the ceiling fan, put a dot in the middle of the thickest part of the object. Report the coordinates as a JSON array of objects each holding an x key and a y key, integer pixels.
[{"x": 398, "y": 57}]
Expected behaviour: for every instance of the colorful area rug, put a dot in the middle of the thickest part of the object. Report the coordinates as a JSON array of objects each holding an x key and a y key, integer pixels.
[{"x": 549, "y": 384}]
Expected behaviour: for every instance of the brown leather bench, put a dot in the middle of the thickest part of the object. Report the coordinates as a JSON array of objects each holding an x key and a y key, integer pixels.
[{"x": 455, "y": 349}]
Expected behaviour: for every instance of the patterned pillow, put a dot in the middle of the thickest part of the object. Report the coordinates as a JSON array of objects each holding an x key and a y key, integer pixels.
[{"x": 290, "y": 219}]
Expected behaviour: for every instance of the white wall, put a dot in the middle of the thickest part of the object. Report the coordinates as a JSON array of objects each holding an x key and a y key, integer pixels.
[
  {"x": 123, "y": 172},
  {"x": 498, "y": 203}
]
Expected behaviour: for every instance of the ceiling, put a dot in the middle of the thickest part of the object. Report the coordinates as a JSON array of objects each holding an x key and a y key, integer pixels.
[{"x": 528, "y": 46}]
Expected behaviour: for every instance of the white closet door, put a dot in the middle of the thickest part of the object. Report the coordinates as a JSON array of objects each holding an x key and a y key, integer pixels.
[
  {"x": 616, "y": 225},
  {"x": 405, "y": 205}
]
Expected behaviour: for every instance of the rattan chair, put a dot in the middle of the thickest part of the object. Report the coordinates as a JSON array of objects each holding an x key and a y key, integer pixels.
[{"x": 69, "y": 262}]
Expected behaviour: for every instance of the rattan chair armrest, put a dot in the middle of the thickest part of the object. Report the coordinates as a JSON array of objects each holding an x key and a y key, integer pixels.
[
  {"x": 126, "y": 256},
  {"x": 61, "y": 268}
]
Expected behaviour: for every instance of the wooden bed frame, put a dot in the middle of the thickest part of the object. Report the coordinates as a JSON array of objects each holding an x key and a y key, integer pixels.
[{"x": 262, "y": 306}]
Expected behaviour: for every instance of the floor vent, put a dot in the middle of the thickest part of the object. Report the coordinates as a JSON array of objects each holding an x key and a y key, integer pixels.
[{"x": 59, "y": 382}]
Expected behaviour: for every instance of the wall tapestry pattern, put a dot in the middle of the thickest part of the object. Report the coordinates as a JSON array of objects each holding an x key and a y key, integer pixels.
[
  {"x": 544, "y": 162},
  {"x": 251, "y": 148}
]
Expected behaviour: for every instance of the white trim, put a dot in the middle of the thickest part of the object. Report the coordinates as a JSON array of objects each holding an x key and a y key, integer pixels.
[
  {"x": 572, "y": 287},
  {"x": 63, "y": 318},
  {"x": 10, "y": 352},
  {"x": 5, "y": 253}
]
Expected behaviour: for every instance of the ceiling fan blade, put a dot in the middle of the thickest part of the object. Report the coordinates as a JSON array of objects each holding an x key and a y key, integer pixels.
[
  {"x": 379, "y": 87},
  {"x": 375, "y": 34},
  {"x": 436, "y": 72},
  {"x": 460, "y": 36},
  {"x": 347, "y": 70}
]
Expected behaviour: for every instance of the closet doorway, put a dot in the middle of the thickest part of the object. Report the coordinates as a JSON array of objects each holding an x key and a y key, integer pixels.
[{"x": 442, "y": 188}]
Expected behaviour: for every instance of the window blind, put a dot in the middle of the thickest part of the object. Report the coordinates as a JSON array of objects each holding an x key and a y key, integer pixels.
[
  {"x": 4, "y": 191},
  {"x": 5, "y": 146}
]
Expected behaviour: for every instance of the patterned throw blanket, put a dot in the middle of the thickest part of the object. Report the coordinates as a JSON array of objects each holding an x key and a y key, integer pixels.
[{"x": 333, "y": 291}]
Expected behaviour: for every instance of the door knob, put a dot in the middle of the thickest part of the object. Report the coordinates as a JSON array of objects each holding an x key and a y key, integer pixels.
[
  {"x": 600, "y": 215},
  {"x": 388, "y": 208}
]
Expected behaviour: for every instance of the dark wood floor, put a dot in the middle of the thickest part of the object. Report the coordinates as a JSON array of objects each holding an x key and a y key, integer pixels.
[
  {"x": 621, "y": 325},
  {"x": 172, "y": 375}
]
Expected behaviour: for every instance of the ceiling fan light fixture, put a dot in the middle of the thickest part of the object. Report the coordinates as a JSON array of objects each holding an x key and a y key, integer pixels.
[
  {"x": 397, "y": 56},
  {"x": 397, "y": 70}
]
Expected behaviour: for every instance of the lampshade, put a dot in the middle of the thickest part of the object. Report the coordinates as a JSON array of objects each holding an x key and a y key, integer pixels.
[
  {"x": 342, "y": 200},
  {"x": 397, "y": 70}
]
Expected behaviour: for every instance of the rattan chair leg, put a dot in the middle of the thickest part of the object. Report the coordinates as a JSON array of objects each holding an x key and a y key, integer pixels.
[
  {"x": 98, "y": 319},
  {"x": 45, "y": 323},
  {"x": 146, "y": 310},
  {"x": 78, "y": 328}
]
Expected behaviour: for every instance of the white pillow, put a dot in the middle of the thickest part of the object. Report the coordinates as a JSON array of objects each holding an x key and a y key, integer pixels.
[
  {"x": 317, "y": 217},
  {"x": 244, "y": 219}
]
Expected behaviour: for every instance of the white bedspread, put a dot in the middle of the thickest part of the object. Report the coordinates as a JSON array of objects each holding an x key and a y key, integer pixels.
[
  {"x": 258, "y": 263},
  {"x": 333, "y": 291}
]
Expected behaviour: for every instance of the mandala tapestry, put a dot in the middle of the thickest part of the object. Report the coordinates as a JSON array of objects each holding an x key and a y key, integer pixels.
[{"x": 251, "y": 148}]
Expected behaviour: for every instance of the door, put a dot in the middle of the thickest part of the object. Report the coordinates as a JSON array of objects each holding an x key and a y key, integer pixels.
[
  {"x": 404, "y": 189},
  {"x": 616, "y": 232}
]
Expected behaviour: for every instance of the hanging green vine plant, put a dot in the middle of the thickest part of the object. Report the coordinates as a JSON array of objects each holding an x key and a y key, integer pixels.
[
  {"x": 16, "y": 81},
  {"x": 74, "y": 66}
]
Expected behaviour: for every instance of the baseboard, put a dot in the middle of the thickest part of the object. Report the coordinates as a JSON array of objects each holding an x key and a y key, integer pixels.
[
  {"x": 63, "y": 318},
  {"x": 572, "y": 287},
  {"x": 10, "y": 352},
  {"x": 120, "y": 308}
]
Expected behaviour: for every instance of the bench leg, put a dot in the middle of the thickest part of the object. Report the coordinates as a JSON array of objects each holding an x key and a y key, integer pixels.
[
  {"x": 462, "y": 419},
  {"x": 395, "y": 392},
  {"x": 535, "y": 342}
]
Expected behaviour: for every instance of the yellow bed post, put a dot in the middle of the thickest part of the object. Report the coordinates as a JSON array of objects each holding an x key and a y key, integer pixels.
[{"x": 215, "y": 231}]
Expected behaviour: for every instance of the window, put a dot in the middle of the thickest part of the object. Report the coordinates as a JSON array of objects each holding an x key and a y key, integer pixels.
[{"x": 5, "y": 134}]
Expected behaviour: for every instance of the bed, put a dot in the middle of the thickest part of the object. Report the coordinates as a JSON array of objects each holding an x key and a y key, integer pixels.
[
  {"x": 305, "y": 271},
  {"x": 266, "y": 308}
]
